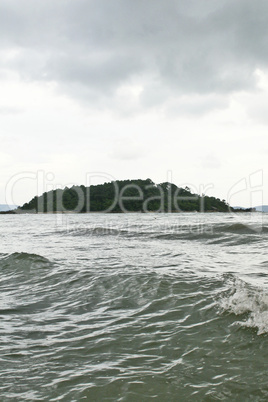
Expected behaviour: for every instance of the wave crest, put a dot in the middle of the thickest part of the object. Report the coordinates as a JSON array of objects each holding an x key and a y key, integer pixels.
[
  {"x": 251, "y": 303},
  {"x": 23, "y": 261}
]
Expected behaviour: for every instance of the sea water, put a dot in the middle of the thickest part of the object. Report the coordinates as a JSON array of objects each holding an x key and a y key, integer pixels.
[{"x": 134, "y": 307}]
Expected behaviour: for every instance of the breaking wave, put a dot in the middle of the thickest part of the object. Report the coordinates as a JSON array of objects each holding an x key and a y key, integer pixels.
[{"x": 248, "y": 303}]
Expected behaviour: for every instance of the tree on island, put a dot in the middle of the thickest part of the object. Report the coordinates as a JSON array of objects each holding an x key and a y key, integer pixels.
[{"x": 125, "y": 196}]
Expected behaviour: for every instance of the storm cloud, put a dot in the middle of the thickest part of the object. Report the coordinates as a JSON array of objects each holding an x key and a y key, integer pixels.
[{"x": 93, "y": 48}]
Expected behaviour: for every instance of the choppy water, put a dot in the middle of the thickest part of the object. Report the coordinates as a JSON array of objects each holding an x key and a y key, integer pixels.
[{"x": 136, "y": 307}]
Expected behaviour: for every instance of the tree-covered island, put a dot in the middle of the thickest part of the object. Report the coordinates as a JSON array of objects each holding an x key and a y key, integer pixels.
[{"x": 124, "y": 196}]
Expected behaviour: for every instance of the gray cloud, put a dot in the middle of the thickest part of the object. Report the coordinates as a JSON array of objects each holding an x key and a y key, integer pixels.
[
  {"x": 197, "y": 105},
  {"x": 91, "y": 48}
]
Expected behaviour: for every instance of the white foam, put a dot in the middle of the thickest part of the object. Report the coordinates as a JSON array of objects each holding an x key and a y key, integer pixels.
[{"x": 248, "y": 301}]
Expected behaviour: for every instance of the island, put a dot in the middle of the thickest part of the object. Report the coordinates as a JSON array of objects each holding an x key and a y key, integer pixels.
[{"x": 123, "y": 196}]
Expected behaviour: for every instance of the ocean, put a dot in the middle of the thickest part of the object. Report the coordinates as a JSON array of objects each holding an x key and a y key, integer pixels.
[{"x": 134, "y": 307}]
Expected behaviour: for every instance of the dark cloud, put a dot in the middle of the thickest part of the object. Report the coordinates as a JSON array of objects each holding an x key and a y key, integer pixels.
[{"x": 90, "y": 48}]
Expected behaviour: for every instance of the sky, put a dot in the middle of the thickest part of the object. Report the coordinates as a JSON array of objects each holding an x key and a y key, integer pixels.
[{"x": 93, "y": 91}]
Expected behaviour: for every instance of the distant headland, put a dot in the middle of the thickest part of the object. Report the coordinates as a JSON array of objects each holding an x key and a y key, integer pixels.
[{"x": 124, "y": 196}]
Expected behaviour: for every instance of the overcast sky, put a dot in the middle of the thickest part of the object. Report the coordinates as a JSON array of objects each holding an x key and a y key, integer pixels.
[{"x": 95, "y": 90}]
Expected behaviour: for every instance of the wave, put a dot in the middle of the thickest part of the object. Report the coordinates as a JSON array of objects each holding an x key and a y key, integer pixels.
[
  {"x": 24, "y": 284},
  {"x": 226, "y": 234},
  {"x": 20, "y": 261},
  {"x": 241, "y": 228},
  {"x": 21, "y": 256},
  {"x": 98, "y": 231},
  {"x": 249, "y": 303}
]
